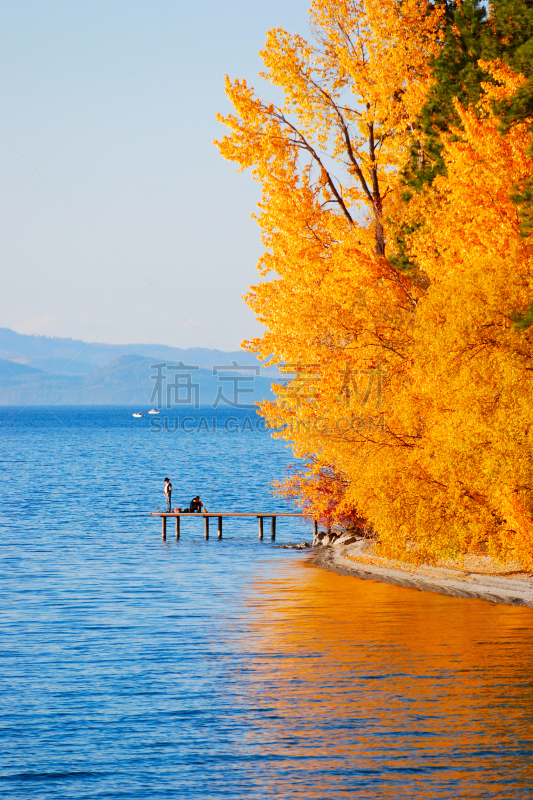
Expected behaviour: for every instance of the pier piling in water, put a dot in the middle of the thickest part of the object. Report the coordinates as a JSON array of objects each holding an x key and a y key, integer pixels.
[{"x": 260, "y": 516}]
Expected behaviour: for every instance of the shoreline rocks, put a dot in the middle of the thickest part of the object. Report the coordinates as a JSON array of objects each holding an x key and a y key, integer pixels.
[
  {"x": 335, "y": 537},
  {"x": 301, "y": 546},
  {"x": 349, "y": 554}
]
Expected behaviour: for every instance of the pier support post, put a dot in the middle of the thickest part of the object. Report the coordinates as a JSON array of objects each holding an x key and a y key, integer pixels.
[
  {"x": 260, "y": 528},
  {"x": 178, "y": 520},
  {"x": 164, "y": 528},
  {"x": 220, "y": 527},
  {"x": 273, "y": 530},
  {"x": 206, "y": 528}
]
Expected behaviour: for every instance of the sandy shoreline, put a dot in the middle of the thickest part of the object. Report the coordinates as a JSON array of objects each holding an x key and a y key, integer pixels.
[{"x": 357, "y": 559}]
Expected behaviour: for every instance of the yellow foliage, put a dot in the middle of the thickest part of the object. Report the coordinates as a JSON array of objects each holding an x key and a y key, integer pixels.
[
  {"x": 472, "y": 367},
  {"x": 408, "y": 394},
  {"x": 350, "y": 100}
]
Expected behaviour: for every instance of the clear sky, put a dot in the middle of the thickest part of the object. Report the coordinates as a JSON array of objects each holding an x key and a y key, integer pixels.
[{"x": 109, "y": 180}]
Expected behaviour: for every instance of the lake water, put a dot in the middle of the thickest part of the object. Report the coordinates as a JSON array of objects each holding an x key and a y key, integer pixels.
[{"x": 133, "y": 668}]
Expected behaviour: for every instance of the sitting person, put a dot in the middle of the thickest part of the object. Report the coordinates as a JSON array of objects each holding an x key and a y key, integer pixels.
[{"x": 196, "y": 505}]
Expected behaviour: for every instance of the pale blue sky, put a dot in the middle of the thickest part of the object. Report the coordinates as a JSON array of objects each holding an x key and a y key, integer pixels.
[{"x": 115, "y": 103}]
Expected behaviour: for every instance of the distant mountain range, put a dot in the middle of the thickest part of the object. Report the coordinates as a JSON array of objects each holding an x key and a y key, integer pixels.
[{"x": 41, "y": 370}]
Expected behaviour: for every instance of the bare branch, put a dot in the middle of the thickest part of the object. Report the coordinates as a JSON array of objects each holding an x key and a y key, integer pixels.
[{"x": 302, "y": 142}]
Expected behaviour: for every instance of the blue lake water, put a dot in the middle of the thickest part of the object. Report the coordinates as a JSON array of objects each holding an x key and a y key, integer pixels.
[{"x": 136, "y": 668}]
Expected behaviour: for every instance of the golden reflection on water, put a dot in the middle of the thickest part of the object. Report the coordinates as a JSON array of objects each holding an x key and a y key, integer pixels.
[{"x": 371, "y": 690}]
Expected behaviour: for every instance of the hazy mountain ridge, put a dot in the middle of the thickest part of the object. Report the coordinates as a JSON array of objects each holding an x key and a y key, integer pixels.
[
  {"x": 12, "y": 368},
  {"x": 73, "y": 354},
  {"x": 126, "y": 378}
]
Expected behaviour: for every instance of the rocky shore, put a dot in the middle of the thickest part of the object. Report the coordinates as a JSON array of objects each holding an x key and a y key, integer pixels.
[{"x": 479, "y": 577}]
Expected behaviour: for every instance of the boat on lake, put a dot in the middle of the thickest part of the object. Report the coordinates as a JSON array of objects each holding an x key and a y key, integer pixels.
[
  {"x": 153, "y": 411},
  {"x": 138, "y": 414}
]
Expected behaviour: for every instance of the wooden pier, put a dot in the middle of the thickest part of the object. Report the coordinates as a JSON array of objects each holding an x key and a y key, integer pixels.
[{"x": 259, "y": 515}]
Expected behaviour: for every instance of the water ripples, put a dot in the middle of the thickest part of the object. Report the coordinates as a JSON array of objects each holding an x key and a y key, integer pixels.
[{"x": 133, "y": 668}]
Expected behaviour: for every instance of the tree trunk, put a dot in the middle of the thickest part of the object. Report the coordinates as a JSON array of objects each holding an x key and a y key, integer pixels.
[{"x": 380, "y": 235}]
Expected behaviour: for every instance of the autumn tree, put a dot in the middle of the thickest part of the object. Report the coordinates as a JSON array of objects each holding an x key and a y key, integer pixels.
[
  {"x": 472, "y": 374},
  {"x": 471, "y": 36},
  {"x": 328, "y": 160},
  {"x": 350, "y": 98},
  {"x": 399, "y": 378}
]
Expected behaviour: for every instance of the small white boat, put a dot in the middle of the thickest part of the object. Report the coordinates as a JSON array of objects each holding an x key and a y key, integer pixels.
[
  {"x": 153, "y": 411},
  {"x": 138, "y": 414}
]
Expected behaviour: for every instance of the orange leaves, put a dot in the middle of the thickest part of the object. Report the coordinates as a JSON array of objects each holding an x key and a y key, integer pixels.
[
  {"x": 408, "y": 391},
  {"x": 472, "y": 216},
  {"x": 472, "y": 382},
  {"x": 380, "y": 50},
  {"x": 350, "y": 98}
]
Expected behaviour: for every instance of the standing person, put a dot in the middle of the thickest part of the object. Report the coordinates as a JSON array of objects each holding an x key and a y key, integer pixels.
[{"x": 168, "y": 493}]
